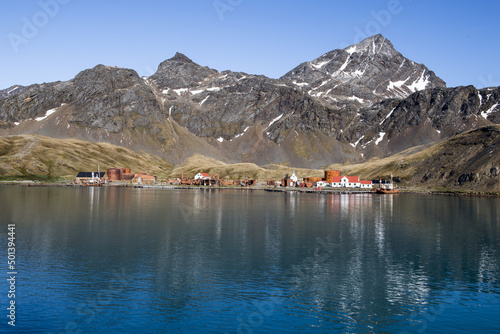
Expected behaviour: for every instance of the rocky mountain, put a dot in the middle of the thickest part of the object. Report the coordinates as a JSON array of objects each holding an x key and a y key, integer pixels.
[
  {"x": 366, "y": 72},
  {"x": 346, "y": 106}
]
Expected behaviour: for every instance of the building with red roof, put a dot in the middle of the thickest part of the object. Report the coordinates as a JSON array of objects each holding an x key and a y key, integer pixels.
[
  {"x": 202, "y": 176},
  {"x": 350, "y": 182}
]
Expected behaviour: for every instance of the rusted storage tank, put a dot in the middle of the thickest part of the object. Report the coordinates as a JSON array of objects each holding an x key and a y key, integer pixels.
[
  {"x": 127, "y": 170},
  {"x": 314, "y": 179},
  {"x": 114, "y": 174},
  {"x": 330, "y": 174},
  {"x": 127, "y": 176}
]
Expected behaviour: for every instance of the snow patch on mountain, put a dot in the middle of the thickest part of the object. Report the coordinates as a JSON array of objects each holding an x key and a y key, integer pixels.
[
  {"x": 388, "y": 115},
  {"x": 181, "y": 91},
  {"x": 321, "y": 64},
  {"x": 13, "y": 89},
  {"x": 196, "y": 91},
  {"x": 380, "y": 138},
  {"x": 420, "y": 84},
  {"x": 397, "y": 84},
  {"x": 357, "y": 142},
  {"x": 343, "y": 67},
  {"x": 489, "y": 111},
  {"x": 47, "y": 114},
  {"x": 204, "y": 100},
  {"x": 241, "y": 134},
  {"x": 355, "y": 98},
  {"x": 351, "y": 50},
  {"x": 274, "y": 121},
  {"x": 300, "y": 84}
]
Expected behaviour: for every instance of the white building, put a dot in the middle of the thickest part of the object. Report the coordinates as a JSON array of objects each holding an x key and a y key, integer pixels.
[
  {"x": 350, "y": 182},
  {"x": 366, "y": 184},
  {"x": 202, "y": 176}
]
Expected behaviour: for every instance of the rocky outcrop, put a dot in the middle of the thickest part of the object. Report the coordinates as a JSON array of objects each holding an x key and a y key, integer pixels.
[
  {"x": 114, "y": 99},
  {"x": 11, "y": 91}
]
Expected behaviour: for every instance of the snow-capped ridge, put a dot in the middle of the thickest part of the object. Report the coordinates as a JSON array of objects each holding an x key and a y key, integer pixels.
[{"x": 371, "y": 70}]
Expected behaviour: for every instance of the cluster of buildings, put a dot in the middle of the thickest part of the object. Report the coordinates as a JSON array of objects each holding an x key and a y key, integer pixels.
[
  {"x": 332, "y": 178},
  {"x": 115, "y": 174},
  {"x": 205, "y": 179},
  {"x": 124, "y": 174}
]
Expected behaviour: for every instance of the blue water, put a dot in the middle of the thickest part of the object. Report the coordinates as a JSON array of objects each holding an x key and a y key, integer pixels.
[{"x": 116, "y": 260}]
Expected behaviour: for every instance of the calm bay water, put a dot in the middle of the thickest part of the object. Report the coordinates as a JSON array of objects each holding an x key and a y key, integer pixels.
[{"x": 230, "y": 261}]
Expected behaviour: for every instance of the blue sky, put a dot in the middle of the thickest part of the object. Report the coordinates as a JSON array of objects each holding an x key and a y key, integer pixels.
[{"x": 50, "y": 40}]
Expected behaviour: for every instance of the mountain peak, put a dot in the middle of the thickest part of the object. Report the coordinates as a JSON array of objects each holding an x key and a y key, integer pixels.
[
  {"x": 368, "y": 71},
  {"x": 180, "y": 72},
  {"x": 374, "y": 44},
  {"x": 376, "y": 38},
  {"x": 180, "y": 57}
]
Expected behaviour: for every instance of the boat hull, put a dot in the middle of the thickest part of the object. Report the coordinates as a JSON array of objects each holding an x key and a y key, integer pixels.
[{"x": 387, "y": 191}]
